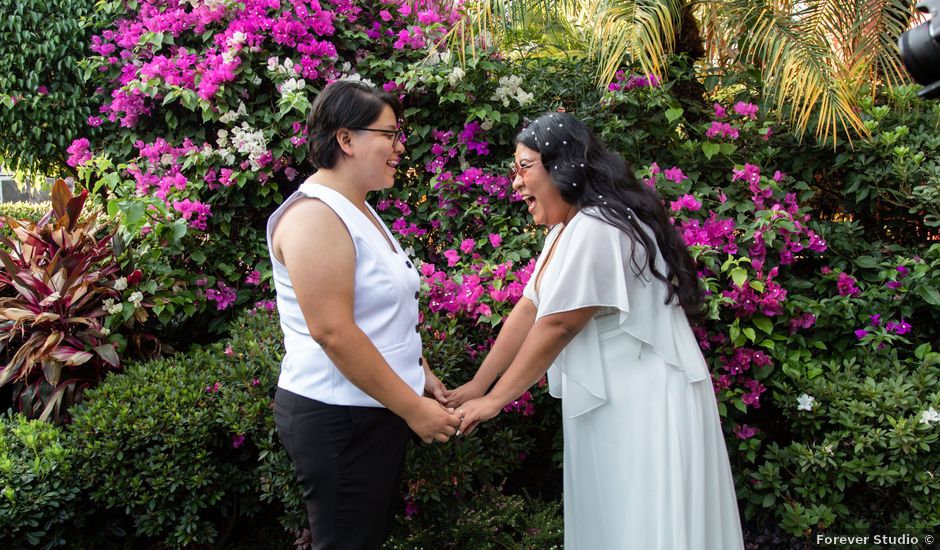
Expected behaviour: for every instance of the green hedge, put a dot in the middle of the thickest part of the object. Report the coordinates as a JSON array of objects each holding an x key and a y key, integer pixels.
[{"x": 39, "y": 494}]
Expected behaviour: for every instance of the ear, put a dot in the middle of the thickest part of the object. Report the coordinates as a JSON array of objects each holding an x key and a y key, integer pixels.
[{"x": 344, "y": 139}]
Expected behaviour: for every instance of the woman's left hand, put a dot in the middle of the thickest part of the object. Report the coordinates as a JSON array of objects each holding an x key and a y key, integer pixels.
[
  {"x": 475, "y": 411},
  {"x": 433, "y": 387}
]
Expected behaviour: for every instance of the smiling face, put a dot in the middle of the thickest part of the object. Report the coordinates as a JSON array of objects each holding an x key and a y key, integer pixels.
[
  {"x": 534, "y": 184},
  {"x": 376, "y": 151}
]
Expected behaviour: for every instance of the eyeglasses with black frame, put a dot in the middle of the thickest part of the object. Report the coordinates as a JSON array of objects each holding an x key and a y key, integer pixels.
[
  {"x": 519, "y": 169},
  {"x": 397, "y": 135}
]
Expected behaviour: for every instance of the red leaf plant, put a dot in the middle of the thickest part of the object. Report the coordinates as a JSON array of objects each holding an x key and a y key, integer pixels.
[{"x": 56, "y": 274}]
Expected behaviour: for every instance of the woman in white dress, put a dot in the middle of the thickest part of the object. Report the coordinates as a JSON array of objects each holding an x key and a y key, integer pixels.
[{"x": 606, "y": 313}]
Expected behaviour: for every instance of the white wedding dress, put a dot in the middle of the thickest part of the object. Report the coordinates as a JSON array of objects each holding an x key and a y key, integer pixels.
[{"x": 645, "y": 464}]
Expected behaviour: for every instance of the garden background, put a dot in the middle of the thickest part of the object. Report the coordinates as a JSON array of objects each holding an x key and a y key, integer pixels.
[{"x": 137, "y": 332}]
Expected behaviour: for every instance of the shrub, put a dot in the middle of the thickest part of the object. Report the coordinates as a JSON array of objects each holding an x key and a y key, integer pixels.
[
  {"x": 22, "y": 211},
  {"x": 39, "y": 495},
  {"x": 851, "y": 436},
  {"x": 889, "y": 182},
  {"x": 171, "y": 444},
  {"x": 488, "y": 520},
  {"x": 44, "y": 102}
]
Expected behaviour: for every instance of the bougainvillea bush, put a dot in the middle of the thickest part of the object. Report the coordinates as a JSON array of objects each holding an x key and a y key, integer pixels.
[
  {"x": 201, "y": 133},
  {"x": 202, "y": 130}
]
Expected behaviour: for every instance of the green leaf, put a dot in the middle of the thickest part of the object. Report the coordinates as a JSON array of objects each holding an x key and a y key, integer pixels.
[
  {"x": 674, "y": 113},
  {"x": 764, "y": 324},
  {"x": 929, "y": 294},
  {"x": 179, "y": 229},
  {"x": 710, "y": 149},
  {"x": 738, "y": 276},
  {"x": 921, "y": 351},
  {"x": 728, "y": 148},
  {"x": 866, "y": 262},
  {"x": 749, "y": 332}
]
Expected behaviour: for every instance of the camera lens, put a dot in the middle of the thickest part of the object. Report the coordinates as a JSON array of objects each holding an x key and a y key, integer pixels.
[{"x": 921, "y": 54}]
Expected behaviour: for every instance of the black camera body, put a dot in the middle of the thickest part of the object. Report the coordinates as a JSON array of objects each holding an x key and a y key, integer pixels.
[{"x": 920, "y": 50}]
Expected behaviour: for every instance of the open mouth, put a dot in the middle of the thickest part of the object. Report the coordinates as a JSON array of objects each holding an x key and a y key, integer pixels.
[
  {"x": 393, "y": 163},
  {"x": 529, "y": 201}
]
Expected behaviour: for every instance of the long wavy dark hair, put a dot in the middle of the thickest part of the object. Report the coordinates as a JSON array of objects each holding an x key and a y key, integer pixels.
[{"x": 589, "y": 175}]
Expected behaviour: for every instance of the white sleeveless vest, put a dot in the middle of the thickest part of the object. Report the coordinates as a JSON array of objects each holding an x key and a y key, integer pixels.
[{"x": 385, "y": 308}]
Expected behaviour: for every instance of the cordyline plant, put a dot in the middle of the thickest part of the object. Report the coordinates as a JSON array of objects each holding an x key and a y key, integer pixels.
[{"x": 56, "y": 274}]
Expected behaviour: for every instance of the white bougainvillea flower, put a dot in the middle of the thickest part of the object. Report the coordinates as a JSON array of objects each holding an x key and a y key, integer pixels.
[
  {"x": 805, "y": 402},
  {"x": 929, "y": 416}
]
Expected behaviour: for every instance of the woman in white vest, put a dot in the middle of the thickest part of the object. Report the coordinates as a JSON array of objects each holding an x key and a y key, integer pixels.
[{"x": 353, "y": 385}]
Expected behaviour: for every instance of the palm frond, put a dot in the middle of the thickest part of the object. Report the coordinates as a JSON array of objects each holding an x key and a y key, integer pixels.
[{"x": 643, "y": 31}]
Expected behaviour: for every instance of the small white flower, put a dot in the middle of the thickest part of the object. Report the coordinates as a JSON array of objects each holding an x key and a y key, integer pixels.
[
  {"x": 111, "y": 307},
  {"x": 105, "y": 331},
  {"x": 120, "y": 284},
  {"x": 805, "y": 402},
  {"x": 292, "y": 85},
  {"x": 929, "y": 416},
  {"x": 456, "y": 75},
  {"x": 510, "y": 87},
  {"x": 229, "y": 117},
  {"x": 273, "y": 62},
  {"x": 136, "y": 298}
]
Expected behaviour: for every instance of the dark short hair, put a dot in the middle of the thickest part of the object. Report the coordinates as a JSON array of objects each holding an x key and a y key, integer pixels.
[{"x": 343, "y": 104}]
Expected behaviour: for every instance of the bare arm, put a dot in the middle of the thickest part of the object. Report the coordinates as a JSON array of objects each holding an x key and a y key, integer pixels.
[
  {"x": 547, "y": 337},
  {"x": 322, "y": 271},
  {"x": 504, "y": 350}
]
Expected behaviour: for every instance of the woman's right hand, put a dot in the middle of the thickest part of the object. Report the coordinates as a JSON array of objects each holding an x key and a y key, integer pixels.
[
  {"x": 431, "y": 421},
  {"x": 458, "y": 396}
]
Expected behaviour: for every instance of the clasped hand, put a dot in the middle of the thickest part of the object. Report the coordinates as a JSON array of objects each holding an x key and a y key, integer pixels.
[{"x": 456, "y": 412}]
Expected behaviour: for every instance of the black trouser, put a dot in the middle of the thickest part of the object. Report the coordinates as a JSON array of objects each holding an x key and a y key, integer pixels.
[{"x": 349, "y": 462}]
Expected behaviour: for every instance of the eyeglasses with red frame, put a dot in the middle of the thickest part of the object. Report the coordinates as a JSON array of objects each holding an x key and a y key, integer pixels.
[{"x": 520, "y": 169}]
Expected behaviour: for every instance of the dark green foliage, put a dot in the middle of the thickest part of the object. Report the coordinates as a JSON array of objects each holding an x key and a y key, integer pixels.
[
  {"x": 44, "y": 102},
  {"x": 39, "y": 493},
  {"x": 489, "y": 519},
  {"x": 890, "y": 182},
  {"x": 172, "y": 444}
]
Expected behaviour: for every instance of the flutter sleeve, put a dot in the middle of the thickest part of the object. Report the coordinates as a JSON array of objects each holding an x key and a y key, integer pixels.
[
  {"x": 587, "y": 269},
  {"x": 592, "y": 267}
]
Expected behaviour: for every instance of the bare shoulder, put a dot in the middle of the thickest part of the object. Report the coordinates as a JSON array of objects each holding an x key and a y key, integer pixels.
[{"x": 309, "y": 223}]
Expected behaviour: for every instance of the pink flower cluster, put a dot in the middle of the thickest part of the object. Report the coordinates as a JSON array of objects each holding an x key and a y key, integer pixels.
[
  {"x": 468, "y": 138},
  {"x": 223, "y": 295},
  {"x": 846, "y": 285},
  {"x": 79, "y": 152},
  {"x": 722, "y": 130},
  {"x": 718, "y": 233},
  {"x": 743, "y": 359},
  {"x": 524, "y": 405},
  {"x": 624, "y": 82},
  {"x": 474, "y": 294},
  {"x": 195, "y": 212},
  {"x": 747, "y": 301}
]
